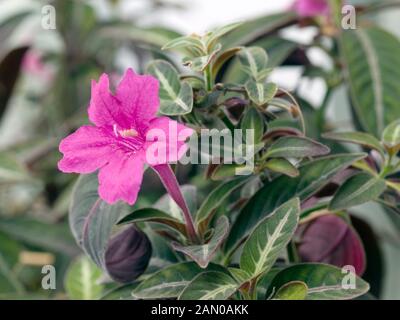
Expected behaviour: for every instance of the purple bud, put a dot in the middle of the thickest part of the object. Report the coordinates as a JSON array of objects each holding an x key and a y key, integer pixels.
[
  {"x": 235, "y": 107},
  {"x": 128, "y": 255},
  {"x": 329, "y": 239}
]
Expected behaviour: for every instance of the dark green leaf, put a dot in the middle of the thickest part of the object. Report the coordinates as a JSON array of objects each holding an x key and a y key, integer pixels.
[
  {"x": 358, "y": 189},
  {"x": 252, "y": 30},
  {"x": 9, "y": 254},
  {"x": 218, "y": 32},
  {"x": 11, "y": 169},
  {"x": 224, "y": 171},
  {"x": 372, "y": 59},
  {"x": 361, "y": 138},
  {"x": 91, "y": 219},
  {"x": 253, "y": 120},
  {"x": 52, "y": 237},
  {"x": 281, "y": 166},
  {"x": 210, "y": 286},
  {"x": 313, "y": 176},
  {"x": 296, "y": 147},
  {"x": 169, "y": 282},
  {"x": 217, "y": 197},
  {"x": 126, "y": 31}
]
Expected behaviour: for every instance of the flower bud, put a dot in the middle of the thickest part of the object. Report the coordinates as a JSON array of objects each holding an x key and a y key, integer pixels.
[
  {"x": 329, "y": 239},
  {"x": 235, "y": 106},
  {"x": 128, "y": 255}
]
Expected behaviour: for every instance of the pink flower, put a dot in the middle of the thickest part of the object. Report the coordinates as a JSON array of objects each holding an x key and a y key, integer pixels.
[
  {"x": 118, "y": 141},
  {"x": 311, "y": 8},
  {"x": 32, "y": 64}
]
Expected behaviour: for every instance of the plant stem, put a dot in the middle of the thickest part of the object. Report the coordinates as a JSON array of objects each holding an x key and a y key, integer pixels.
[
  {"x": 321, "y": 112},
  {"x": 253, "y": 289},
  {"x": 292, "y": 253},
  {"x": 170, "y": 183},
  {"x": 208, "y": 78},
  {"x": 387, "y": 167}
]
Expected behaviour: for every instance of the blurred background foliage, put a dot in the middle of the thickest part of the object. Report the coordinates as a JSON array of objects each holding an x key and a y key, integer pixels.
[{"x": 45, "y": 78}]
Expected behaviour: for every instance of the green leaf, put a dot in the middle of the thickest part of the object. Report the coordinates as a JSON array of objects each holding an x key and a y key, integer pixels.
[
  {"x": 254, "y": 62},
  {"x": 324, "y": 282},
  {"x": 52, "y": 237},
  {"x": 123, "y": 292},
  {"x": 358, "y": 189},
  {"x": 294, "y": 290},
  {"x": 251, "y": 30},
  {"x": 278, "y": 49},
  {"x": 187, "y": 42},
  {"x": 391, "y": 135},
  {"x": 222, "y": 58},
  {"x": 210, "y": 286},
  {"x": 223, "y": 171},
  {"x": 240, "y": 275},
  {"x": 202, "y": 254},
  {"x": 167, "y": 204},
  {"x": 372, "y": 60},
  {"x": 361, "y": 138},
  {"x": 217, "y": 197},
  {"x": 153, "y": 215},
  {"x": 169, "y": 282},
  {"x": 10, "y": 23},
  {"x": 296, "y": 147},
  {"x": 269, "y": 238},
  {"x": 11, "y": 169},
  {"x": 260, "y": 93},
  {"x": 281, "y": 166},
  {"x": 313, "y": 176},
  {"x": 153, "y": 36},
  {"x": 91, "y": 219},
  {"x": 81, "y": 281},
  {"x": 9, "y": 253},
  {"x": 176, "y": 97},
  {"x": 253, "y": 120},
  {"x": 199, "y": 64},
  {"x": 215, "y": 34}
]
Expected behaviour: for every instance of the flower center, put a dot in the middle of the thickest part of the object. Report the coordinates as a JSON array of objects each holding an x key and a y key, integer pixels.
[
  {"x": 128, "y": 139},
  {"x": 128, "y": 133}
]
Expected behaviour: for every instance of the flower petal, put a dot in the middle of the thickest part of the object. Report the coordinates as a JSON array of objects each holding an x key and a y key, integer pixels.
[
  {"x": 85, "y": 150},
  {"x": 166, "y": 141},
  {"x": 310, "y": 8},
  {"x": 139, "y": 97},
  {"x": 122, "y": 177},
  {"x": 104, "y": 108}
]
